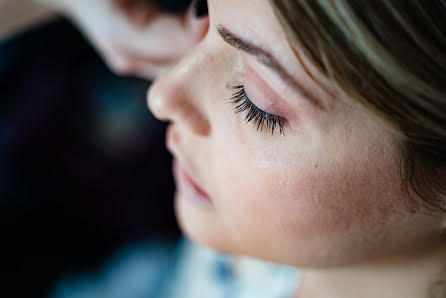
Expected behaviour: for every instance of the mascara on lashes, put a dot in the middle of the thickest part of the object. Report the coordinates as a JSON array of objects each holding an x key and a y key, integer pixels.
[{"x": 261, "y": 118}]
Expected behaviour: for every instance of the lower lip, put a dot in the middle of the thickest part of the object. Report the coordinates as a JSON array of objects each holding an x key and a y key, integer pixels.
[{"x": 186, "y": 186}]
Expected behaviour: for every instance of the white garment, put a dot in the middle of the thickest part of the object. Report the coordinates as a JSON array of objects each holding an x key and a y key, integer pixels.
[
  {"x": 204, "y": 273},
  {"x": 158, "y": 269}
]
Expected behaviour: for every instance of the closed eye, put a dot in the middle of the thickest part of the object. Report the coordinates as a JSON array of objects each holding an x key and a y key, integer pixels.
[{"x": 261, "y": 118}]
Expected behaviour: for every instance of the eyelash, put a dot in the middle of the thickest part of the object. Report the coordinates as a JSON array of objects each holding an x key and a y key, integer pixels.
[{"x": 243, "y": 103}]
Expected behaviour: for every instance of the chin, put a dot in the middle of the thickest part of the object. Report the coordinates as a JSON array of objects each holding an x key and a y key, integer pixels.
[{"x": 202, "y": 226}]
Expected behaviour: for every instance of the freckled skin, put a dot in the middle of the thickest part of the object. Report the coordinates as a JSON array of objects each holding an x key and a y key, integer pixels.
[{"x": 327, "y": 193}]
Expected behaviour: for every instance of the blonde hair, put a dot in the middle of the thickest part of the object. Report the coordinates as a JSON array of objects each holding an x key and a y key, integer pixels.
[{"x": 391, "y": 56}]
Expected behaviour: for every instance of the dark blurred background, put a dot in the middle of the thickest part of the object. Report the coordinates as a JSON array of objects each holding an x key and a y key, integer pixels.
[{"x": 83, "y": 170}]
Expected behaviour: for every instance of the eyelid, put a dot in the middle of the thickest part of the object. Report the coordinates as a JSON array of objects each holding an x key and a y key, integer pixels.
[
  {"x": 270, "y": 61},
  {"x": 260, "y": 90},
  {"x": 242, "y": 103}
]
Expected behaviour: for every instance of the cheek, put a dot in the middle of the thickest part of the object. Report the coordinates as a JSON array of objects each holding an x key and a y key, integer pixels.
[
  {"x": 265, "y": 191},
  {"x": 305, "y": 201}
]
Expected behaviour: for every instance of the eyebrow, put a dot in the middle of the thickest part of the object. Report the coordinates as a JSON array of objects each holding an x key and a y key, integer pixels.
[{"x": 268, "y": 60}]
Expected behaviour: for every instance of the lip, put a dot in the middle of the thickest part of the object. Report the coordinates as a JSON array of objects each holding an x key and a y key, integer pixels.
[
  {"x": 187, "y": 186},
  {"x": 184, "y": 181}
]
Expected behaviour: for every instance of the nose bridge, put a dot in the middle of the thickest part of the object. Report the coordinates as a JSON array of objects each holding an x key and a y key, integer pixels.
[{"x": 177, "y": 96}]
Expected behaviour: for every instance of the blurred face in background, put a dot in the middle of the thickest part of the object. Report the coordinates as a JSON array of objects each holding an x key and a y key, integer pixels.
[
  {"x": 275, "y": 163},
  {"x": 135, "y": 37}
]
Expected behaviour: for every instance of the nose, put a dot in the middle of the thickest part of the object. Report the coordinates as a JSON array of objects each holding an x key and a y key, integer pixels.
[{"x": 176, "y": 96}]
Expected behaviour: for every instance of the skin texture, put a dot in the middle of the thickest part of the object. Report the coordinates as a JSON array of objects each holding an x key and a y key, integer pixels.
[
  {"x": 325, "y": 196},
  {"x": 133, "y": 37}
]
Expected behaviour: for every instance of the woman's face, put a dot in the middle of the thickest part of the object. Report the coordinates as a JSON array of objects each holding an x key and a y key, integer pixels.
[{"x": 324, "y": 191}]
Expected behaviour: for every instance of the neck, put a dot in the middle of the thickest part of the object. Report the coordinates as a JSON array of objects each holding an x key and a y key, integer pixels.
[{"x": 406, "y": 276}]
